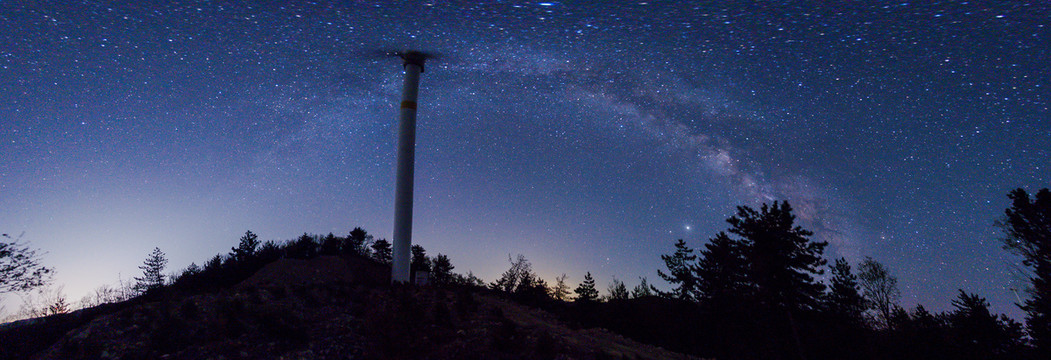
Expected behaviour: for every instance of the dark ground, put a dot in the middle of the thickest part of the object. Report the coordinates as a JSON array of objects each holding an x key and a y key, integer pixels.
[{"x": 323, "y": 308}]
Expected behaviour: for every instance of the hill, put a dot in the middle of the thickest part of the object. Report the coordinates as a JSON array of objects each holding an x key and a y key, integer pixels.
[{"x": 327, "y": 307}]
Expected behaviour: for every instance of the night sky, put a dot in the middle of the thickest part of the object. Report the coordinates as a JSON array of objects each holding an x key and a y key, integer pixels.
[{"x": 587, "y": 136}]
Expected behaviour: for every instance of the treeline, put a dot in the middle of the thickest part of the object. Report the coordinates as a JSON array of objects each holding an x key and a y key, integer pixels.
[
  {"x": 251, "y": 254},
  {"x": 219, "y": 273},
  {"x": 753, "y": 292}
]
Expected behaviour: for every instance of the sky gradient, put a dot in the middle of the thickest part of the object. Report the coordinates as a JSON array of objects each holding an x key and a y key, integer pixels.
[{"x": 586, "y": 136}]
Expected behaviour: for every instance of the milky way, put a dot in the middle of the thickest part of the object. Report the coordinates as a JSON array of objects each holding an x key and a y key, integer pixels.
[{"x": 586, "y": 136}]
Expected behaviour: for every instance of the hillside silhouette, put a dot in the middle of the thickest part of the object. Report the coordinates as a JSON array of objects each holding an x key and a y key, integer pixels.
[
  {"x": 302, "y": 299},
  {"x": 761, "y": 289}
]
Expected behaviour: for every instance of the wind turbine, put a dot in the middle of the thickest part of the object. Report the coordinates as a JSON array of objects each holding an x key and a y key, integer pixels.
[{"x": 412, "y": 62}]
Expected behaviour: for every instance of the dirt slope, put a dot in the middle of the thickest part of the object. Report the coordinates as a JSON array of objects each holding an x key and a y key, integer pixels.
[{"x": 332, "y": 308}]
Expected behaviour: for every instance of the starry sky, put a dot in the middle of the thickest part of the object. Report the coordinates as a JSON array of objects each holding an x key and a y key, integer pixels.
[{"x": 587, "y": 136}]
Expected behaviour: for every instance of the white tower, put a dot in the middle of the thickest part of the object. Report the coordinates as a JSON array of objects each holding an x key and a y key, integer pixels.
[{"x": 413, "y": 65}]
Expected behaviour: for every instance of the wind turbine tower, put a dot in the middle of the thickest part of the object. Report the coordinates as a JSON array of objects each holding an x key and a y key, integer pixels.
[{"x": 412, "y": 62}]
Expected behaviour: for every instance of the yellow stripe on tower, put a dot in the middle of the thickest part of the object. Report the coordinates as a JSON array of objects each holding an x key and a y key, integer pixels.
[{"x": 408, "y": 104}]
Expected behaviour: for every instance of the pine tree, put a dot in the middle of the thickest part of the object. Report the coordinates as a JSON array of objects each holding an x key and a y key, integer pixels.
[
  {"x": 1027, "y": 224},
  {"x": 643, "y": 289},
  {"x": 469, "y": 280},
  {"x": 269, "y": 251},
  {"x": 442, "y": 270},
  {"x": 246, "y": 247},
  {"x": 782, "y": 260},
  {"x": 561, "y": 290},
  {"x": 304, "y": 247},
  {"x": 782, "y": 263},
  {"x": 532, "y": 289},
  {"x": 680, "y": 272},
  {"x": 357, "y": 242},
  {"x": 844, "y": 299},
  {"x": 381, "y": 251},
  {"x": 59, "y": 306},
  {"x": 586, "y": 291},
  {"x": 191, "y": 270},
  {"x": 720, "y": 272},
  {"x": 420, "y": 262},
  {"x": 214, "y": 264},
  {"x": 152, "y": 272},
  {"x": 979, "y": 334},
  {"x": 332, "y": 244}
]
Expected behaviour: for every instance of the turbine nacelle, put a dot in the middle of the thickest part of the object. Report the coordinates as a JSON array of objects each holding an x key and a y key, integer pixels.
[{"x": 414, "y": 57}]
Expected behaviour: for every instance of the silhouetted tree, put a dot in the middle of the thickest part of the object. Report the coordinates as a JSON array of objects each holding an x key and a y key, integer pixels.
[
  {"x": 532, "y": 290},
  {"x": 20, "y": 268},
  {"x": 521, "y": 283},
  {"x": 269, "y": 251},
  {"x": 844, "y": 299},
  {"x": 420, "y": 262},
  {"x": 516, "y": 278},
  {"x": 561, "y": 290},
  {"x": 1027, "y": 224},
  {"x": 924, "y": 318},
  {"x": 680, "y": 272},
  {"x": 919, "y": 335},
  {"x": 152, "y": 272},
  {"x": 191, "y": 270},
  {"x": 103, "y": 294},
  {"x": 332, "y": 244},
  {"x": 58, "y": 307},
  {"x": 381, "y": 251},
  {"x": 782, "y": 263},
  {"x": 978, "y": 334},
  {"x": 879, "y": 289},
  {"x": 46, "y": 301},
  {"x": 358, "y": 242},
  {"x": 782, "y": 260},
  {"x": 304, "y": 247},
  {"x": 468, "y": 280},
  {"x": 643, "y": 289},
  {"x": 442, "y": 270},
  {"x": 586, "y": 291},
  {"x": 617, "y": 290},
  {"x": 721, "y": 271},
  {"x": 214, "y": 264},
  {"x": 246, "y": 247}
]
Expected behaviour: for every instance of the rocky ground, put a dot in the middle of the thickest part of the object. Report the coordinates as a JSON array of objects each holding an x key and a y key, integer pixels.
[{"x": 331, "y": 308}]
